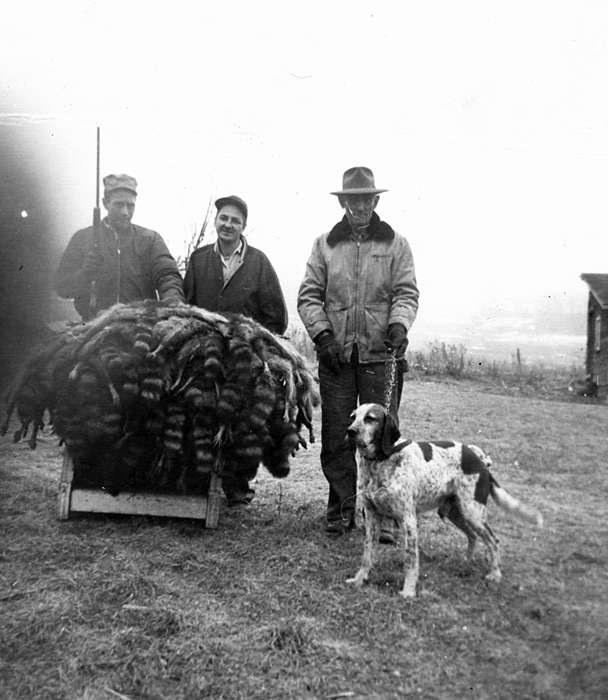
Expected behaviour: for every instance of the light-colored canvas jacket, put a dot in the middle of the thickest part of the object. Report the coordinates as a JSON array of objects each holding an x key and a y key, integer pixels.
[{"x": 356, "y": 289}]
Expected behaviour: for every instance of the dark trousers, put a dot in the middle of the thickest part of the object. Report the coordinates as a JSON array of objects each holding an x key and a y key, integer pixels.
[
  {"x": 340, "y": 395},
  {"x": 235, "y": 486}
]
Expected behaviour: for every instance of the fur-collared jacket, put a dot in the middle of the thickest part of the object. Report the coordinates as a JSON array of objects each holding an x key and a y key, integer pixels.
[
  {"x": 136, "y": 265},
  {"x": 357, "y": 288},
  {"x": 253, "y": 288}
]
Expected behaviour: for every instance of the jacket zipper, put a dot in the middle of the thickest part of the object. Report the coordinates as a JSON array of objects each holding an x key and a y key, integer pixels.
[
  {"x": 117, "y": 241},
  {"x": 118, "y": 288},
  {"x": 356, "y": 338}
]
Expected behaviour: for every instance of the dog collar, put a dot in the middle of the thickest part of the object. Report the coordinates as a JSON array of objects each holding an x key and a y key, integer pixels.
[
  {"x": 394, "y": 449},
  {"x": 400, "y": 446}
]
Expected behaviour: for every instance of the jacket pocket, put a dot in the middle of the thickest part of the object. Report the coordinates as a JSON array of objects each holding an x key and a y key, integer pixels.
[
  {"x": 338, "y": 317},
  {"x": 376, "y": 323}
]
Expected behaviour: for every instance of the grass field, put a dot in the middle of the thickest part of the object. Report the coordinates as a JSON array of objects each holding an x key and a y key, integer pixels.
[{"x": 131, "y": 607}]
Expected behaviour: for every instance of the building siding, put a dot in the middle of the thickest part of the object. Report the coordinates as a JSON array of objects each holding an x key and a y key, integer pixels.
[{"x": 597, "y": 359}]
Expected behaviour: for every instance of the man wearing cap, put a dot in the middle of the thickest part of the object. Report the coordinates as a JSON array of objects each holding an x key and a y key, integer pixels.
[
  {"x": 128, "y": 263},
  {"x": 232, "y": 276},
  {"x": 358, "y": 299}
]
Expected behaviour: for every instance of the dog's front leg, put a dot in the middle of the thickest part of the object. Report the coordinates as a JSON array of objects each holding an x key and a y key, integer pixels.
[
  {"x": 372, "y": 534},
  {"x": 411, "y": 556},
  {"x": 362, "y": 482}
]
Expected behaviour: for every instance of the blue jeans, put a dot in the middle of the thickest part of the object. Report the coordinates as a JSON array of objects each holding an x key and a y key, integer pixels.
[{"x": 340, "y": 395}]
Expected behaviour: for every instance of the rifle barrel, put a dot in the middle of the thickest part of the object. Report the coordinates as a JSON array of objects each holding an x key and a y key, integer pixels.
[
  {"x": 96, "y": 236},
  {"x": 97, "y": 174}
]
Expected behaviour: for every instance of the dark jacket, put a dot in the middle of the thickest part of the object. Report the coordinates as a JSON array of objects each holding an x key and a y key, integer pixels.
[
  {"x": 136, "y": 266},
  {"x": 253, "y": 290},
  {"x": 357, "y": 289}
]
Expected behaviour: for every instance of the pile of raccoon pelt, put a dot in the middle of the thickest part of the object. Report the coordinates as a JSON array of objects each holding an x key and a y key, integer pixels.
[{"x": 157, "y": 394}]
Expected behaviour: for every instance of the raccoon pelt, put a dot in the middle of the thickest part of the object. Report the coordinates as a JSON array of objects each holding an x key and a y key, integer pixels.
[{"x": 161, "y": 394}]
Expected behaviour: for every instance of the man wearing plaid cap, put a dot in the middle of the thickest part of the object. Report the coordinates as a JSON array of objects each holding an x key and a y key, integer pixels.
[{"x": 130, "y": 262}]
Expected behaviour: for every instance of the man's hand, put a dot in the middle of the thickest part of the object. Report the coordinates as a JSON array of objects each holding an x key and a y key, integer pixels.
[
  {"x": 396, "y": 338},
  {"x": 328, "y": 351},
  {"x": 92, "y": 264}
]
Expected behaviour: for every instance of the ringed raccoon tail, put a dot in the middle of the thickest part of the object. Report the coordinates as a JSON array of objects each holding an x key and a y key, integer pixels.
[{"x": 512, "y": 505}]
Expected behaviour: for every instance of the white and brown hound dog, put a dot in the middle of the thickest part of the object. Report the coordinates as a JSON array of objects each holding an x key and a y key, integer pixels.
[{"x": 400, "y": 478}]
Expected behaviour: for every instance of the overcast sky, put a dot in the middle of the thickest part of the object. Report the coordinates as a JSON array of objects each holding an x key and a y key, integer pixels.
[{"x": 486, "y": 121}]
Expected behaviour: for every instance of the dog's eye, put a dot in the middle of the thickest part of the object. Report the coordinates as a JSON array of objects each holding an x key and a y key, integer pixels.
[{"x": 370, "y": 419}]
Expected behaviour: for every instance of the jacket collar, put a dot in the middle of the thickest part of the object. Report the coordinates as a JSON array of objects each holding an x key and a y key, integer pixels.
[
  {"x": 377, "y": 231},
  {"x": 115, "y": 233},
  {"x": 240, "y": 250}
]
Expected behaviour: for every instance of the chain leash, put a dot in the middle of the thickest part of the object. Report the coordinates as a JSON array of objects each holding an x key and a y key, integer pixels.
[{"x": 390, "y": 374}]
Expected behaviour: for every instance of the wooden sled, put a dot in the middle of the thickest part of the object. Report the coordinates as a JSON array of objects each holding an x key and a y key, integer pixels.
[{"x": 73, "y": 499}]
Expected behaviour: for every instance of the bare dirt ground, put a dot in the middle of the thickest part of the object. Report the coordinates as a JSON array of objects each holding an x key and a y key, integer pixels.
[{"x": 131, "y": 607}]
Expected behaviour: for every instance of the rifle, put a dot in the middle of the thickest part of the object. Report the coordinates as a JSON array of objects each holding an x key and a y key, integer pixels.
[
  {"x": 195, "y": 242},
  {"x": 201, "y": 234},
  {"x": 96, "y": 236}
]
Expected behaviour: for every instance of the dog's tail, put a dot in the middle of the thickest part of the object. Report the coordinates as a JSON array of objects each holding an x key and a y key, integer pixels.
[{"x": 512, "y": 505}]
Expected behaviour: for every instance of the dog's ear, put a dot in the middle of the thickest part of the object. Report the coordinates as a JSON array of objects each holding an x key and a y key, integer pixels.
[{"x": 390, "y": 435}]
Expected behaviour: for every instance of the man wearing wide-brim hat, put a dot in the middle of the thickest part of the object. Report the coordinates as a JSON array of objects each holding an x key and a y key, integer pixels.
[{"x": 358, "y": 299}]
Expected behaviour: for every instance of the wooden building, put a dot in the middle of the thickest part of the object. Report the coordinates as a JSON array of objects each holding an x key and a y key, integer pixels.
[{"x": 596, "y": 361}]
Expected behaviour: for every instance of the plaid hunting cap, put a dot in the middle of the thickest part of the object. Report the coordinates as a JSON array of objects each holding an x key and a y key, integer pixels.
[{"x": 119, "y": 182}]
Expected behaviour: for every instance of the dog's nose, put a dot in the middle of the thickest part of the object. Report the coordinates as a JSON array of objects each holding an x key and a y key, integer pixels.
[{"x": 351, "y": 432}]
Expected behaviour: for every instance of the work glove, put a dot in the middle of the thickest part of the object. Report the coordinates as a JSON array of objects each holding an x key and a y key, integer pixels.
[
  {"x": 92, "y": 264},
  {"x": 328, "y": 351},
  {"x": 396, "y": 338}
]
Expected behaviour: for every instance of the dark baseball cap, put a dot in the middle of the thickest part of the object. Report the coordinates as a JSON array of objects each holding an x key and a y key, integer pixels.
[{"x": 235, "y": 201}]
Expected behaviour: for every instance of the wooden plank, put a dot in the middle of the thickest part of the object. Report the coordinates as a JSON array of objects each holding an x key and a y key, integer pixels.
[
  {"x": 168, "y": 505},
  {"x": 65, "y": 487},
  {"x": 141, "y": 503},
  {"x": 213, "y": 500}
]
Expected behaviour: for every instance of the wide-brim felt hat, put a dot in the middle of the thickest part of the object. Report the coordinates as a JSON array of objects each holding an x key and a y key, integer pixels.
[{"x": 358, "y": 180}]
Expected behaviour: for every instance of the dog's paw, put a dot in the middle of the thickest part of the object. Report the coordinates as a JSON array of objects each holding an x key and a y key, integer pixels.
[
  {"x": 356, "y": 581},
  {"x": 494, "y": 576},
  {"x": 409, "y": 592}
]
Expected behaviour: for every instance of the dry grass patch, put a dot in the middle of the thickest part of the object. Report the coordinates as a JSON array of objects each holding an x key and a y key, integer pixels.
[{"x": 105, "y": 607}]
